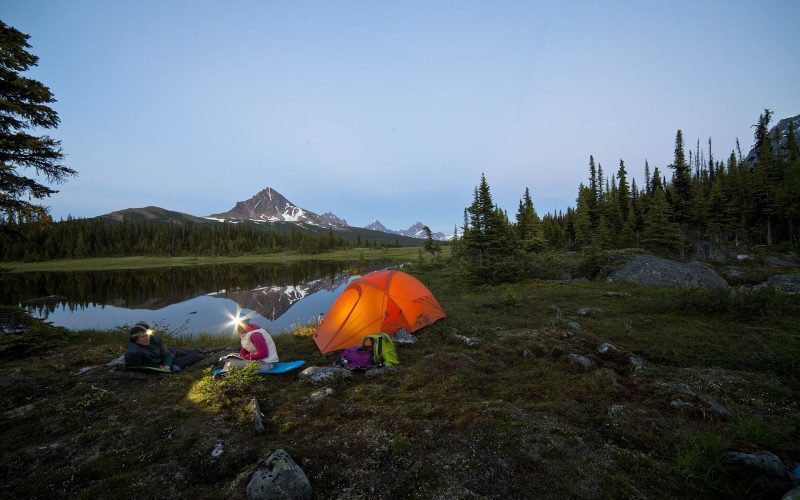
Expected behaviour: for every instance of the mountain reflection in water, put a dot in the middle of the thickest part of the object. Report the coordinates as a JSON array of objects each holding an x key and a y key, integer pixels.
[{"x": 183, "y": 300}]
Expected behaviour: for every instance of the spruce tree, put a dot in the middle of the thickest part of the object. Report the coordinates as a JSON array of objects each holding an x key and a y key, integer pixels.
[
  {"x": 660, "y": 235},
  {"x": 25, "y": 107},
  {"x": 623, "y": 194},
  {"x": 681, "y": 184}
]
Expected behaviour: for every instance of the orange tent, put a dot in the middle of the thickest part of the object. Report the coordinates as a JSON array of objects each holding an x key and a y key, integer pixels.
[{"x": 383, "y": 301}]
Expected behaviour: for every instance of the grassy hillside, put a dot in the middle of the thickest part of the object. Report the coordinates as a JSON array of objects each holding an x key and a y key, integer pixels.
[{"x": 509, "y": 418}]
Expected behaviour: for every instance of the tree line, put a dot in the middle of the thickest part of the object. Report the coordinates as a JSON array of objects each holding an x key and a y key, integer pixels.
[
  {"x": 730, "y": 202},
  {"x": 96, "y": 237}
]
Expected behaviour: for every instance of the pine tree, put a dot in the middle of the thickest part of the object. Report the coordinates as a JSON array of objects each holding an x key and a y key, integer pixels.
[
  {"x": 681, "y": 184},
  {"x": 660, "y": 235},
  {"x": 25, "y": 106},
  {"x": 623, "y": 194}
]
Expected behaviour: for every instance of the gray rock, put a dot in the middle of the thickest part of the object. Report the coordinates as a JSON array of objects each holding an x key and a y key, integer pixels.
[
  {"x": 574, "y": 327},
  {"x": 787, "y": 283},
  {"x": 607, "y": 349},
  {"x": 683, "y": 389},
  {"x": 710, "y": 404},
  {"x": 655, "y": 271},
  {"x": 742, "y": 257},
  {"x": 85, "y": 369},
  {"x": 402, "y": 336},
  {"x": 579, "y": 360},
  {"x": 761, "y": 462},
  {"x": 470, "y": 341},
  {"x": 637, "y": 363},
  {"x": 322, "y": 374},
  {"x": 679, "y": 403},
  {"x": 378, "y": 372},
  {"x": 587, "y": 311},
  {"x": 614, "y": 411},
  {"x": 781, "y": 262},
  {"x": 278, "y": 476}
]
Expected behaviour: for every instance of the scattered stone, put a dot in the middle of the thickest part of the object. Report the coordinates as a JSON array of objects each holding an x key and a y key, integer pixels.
[
  {"x": 383, "y": 370},
  {"x": 321, "y": 394},
  {"x": 574, "y": 327},
  {"x": 761, "y": 462},
  {"x": 587, "y": 311},
  {"x": 656, "y": 271},
  {"x": 679, "y": 403},
  {"x": 717, "y": 409},
  {"x": 710, "y": 404},
  {"x": 781, "y": 262},
  {"x": 321, "y": 374},
  {"x": 402, "y": 336},
  {"x": 218, "y": 450},
  {"x": 85, "y": 369},
  {"x": 614, "y": 411},
  {"x": 579, "y": 360},
  {"x": 742, "y": 257},
  {"x": 637, "y": 363},
  {"x": 616, "y": 294},
  {"x": 278, "y": 476},
  {"x": 787, "y": 283},
  {"x": 733, "y": 273},
  {"x": 470, "y": 341},
  {"x": 607, "y": 349}
]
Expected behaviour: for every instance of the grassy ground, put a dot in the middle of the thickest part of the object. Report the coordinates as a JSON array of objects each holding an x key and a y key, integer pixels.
[
  {"x": 399, "y": 254},
  {"x": 509, "y": 418}
]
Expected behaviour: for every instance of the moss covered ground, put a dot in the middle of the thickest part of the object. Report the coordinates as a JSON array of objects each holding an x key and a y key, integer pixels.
[{"x": 508, "y": 418}]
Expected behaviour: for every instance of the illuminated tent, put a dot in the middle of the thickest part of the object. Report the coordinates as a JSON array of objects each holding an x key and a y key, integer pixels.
[{"x": 383, "y": 301}]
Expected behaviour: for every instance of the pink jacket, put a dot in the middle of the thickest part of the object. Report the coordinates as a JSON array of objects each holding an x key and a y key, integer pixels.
[{"x": 262, "y": 351}]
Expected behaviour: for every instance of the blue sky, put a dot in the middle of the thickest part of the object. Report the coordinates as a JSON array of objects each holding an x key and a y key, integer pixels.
[{"x": 391, "y": 110}]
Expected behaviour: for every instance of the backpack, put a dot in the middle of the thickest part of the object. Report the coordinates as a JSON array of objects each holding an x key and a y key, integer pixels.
[
  {"x": 356, "y": 358},
  {"x": 382, "y": 347}
]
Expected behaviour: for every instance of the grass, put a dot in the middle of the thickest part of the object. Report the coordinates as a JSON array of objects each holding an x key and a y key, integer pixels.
[
  {"x": 509, "y": 418},
  {"x": 401, "y": 254}
]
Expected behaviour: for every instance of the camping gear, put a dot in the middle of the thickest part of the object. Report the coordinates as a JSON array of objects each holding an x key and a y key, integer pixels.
[
  {"x": 282, "y": 367},
  {"x": 356, "y": 358},
  {"x": 383, "y": 301},
  {"x": 382, "y": 348}
]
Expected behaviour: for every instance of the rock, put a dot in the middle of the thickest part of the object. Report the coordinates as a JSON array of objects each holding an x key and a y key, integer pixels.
[
  {"x": 616, "y": 294},
  {"x": 402, "y": 336},
  {"x": 278, "y": 476},
  {"x": 787, "y": 283},
  {"x": 218, "y": 450},
  {"x": 742, "y": 257},
  {"x": 321, "y": 394},
  {"x": 587, "y": 311},
  {"x": 679, "y": 403},
  {"x": 607, "y": 349},
  {"x": 710, "y": 404},
  {"x": 383, "y": 370},
  {"x": 717, "y": 409},
  {"x": 574, "y": 327},
  {"x": 655, "y": 271},
  {"x": 637, "y": 363},
  {"x": 781, "y": 262},
  {"x": 85, "y": 369},
  {"x": 321, "y": 374},
  {"x": 614, "y": 411},
  {"x": 683, "y": 389},
  {"x": 760, "y": 462},
  {"x": 470, "y": 341},
  {"x": 733, "y": 273},
  {"x": 579, "y": 360}
]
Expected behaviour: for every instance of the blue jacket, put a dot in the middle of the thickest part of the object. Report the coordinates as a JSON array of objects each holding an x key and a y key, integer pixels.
[{"x": 153, "y": 354}]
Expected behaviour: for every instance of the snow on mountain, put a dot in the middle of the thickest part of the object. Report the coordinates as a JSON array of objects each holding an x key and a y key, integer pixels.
[
  {"x": 333, "y": 219},
  {"x": 415, "y": 231},
  {"x": 269, "y": 205}
]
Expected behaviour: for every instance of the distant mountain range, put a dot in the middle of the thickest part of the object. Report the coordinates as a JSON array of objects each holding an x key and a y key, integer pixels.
[
  {"x": 414, "y": 231},
  {"x": 272, "y": 208}
]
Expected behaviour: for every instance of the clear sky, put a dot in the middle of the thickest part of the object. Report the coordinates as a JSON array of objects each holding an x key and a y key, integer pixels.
[{"x": 391, "y": 110}]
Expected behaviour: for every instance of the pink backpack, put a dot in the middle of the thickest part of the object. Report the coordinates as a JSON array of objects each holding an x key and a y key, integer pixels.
[{"x": 356, "y": 358}]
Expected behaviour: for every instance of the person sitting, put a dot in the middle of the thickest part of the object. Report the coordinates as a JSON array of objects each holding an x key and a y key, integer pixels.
[
  {"x": 147, "y": 350},
  {"x": 257, "y": 345}
]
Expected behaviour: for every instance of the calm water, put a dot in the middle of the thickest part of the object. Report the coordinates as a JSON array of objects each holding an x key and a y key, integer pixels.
[{"x": 183, "y": 300}]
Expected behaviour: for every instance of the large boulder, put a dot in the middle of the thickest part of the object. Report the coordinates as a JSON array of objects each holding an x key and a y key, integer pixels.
[
  {"x": 278, "y": 476},
  {"x": 656, "y": 271},
  {"x": 787, "y": 283}
]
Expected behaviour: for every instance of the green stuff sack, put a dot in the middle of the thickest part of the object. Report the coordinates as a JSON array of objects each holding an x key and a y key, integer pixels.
[{"x": 383, "y": 352}]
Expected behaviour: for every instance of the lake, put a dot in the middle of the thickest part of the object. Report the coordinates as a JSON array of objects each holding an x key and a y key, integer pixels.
[{"x": 184, "y": 301}]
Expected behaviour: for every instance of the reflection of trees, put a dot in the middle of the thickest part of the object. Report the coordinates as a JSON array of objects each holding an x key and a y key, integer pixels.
[{"x": 159, "y": 287}]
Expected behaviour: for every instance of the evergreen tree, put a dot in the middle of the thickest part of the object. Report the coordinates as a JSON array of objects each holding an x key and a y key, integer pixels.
[
  {"x": 25, "y": 106},
  {"x": 660, "y": 235},
  {"x": 681, "y": 184},
  {"x": 431, "y": 246},
  {"x": 623, "y": 193}
]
